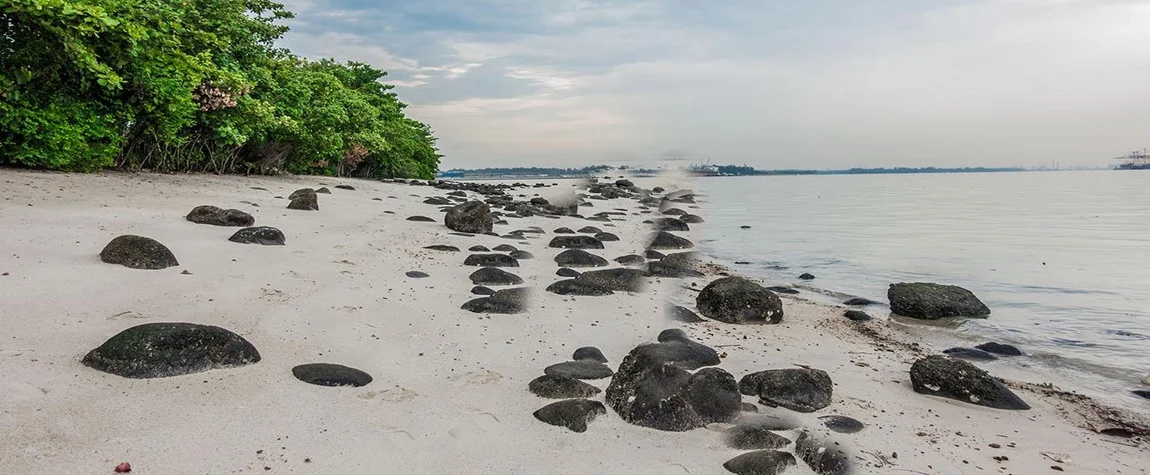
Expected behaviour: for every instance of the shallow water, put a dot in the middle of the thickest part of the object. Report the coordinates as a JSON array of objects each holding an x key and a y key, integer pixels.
[{"x": 1061, "y": 258}]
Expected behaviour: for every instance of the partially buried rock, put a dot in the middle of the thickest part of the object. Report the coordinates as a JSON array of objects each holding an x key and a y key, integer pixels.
[
  {"x": 1141, "y": 393},
  {"x": 265, "y": 235},
  {"x": 478, "y": 248},
  {"x": 575, "y": 242},
  {"x": 760, "y": 462},
  {"x": 471, "y": 217},
  {"x": 520, "y": 255},
  {"x": 590, "y": 230},
  {"x": 304, "y": 200},
  {"x": 665, "y": 268},
  {"x": 858, "y": 302},
  {"x": 577, "y": 287},
  {"x": 683, "y": 314},
  {"x": 481, "y": 290},
  {"x": 589, "y": 353},
  {"x": 563, "y": 231},
  {"x": 669, "y": 224},
  {"x": 714, "y": 394},
  {"x": 666, "y": 240},
  {"x": 972, "y": 354},
  {"x": 606, "y": 237},
  {"x": 494, "y": 276},
  {"x": 1004, "y": 350},
  {"x": 444, "y": 248},
  {"x": 738, "y": 300},
  {"x": 138, "y": 252},
  {"x": 825, "y": 458},
  {"x": 492, "y": 304},
  {"x": 950, "y": 378},
  {"x": 579, "y": 258},
  {"x": 631, "y": 260},
  {"x": 585, "y": 369},
  {"x": 619, "y": 279},
  {"x": 567, "y": 272},
  {"x": 779, "y": 289},
  {"x": 334, "y": 375},
  {"x": 691, "y": 218},
  {"x": 323, "y": 190},
  {"x": 490, "y": 260},
  {"x": 345, "y": 187},
  {"x": 208, "y": 214},
  {"x": 807, "y": 276},
  {"x": 561, "y": 387},
  {"x": 573, "y": 414},
  {"x": 842, "y": 424},
  {"x": 857, "y": 315},
  {"x": 414, "y": 274},
  {"x": 797, "y": 389},
  {"x": 421, "y": 219},
  {"x": 653, "y": 254},
  {"x": 504, "y": 248},
  {"x": 751, "y": 436},
  {"x": 932, "y": 301},
  {"x": 158, "y": 350}
]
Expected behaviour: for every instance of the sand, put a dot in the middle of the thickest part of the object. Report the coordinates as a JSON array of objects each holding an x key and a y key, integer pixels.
[{"x": 449, "y": 394}]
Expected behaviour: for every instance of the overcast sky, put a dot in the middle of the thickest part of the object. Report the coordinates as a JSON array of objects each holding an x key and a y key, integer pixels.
[{"x": 769, "y": 83}]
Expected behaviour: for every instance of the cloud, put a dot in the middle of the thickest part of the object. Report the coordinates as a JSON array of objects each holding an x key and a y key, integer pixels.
[{"x": 821, "y": 84}]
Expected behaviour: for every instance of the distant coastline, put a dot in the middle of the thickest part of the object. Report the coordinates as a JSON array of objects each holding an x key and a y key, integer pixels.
[{"x": 710, "y": 171}]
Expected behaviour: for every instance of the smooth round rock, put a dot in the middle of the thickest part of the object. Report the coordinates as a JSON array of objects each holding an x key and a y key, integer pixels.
[
  {"x": 263, "y": 235},
  {"x": 579, "y": 258},
  {"x": 478, "y": 248},
  {"x": 138, "y": 252},
  {"x": 327, "y": 374},
  {"x": 606, "y": 237},
  {"x": 414, "y": 274},
  {"x": 504, "y": 248},
  {"x": 494, "y": 276},
  {"x": 481, "y": 290},
  {"x": 567, "y": 272},
  {"x": 159, "y": 350},
  {"x": 589, "y": 353},
  {"x": 947, "y": 377},
  {"x": 760, "y": 462},
  {"x": 631, "y": 260}
]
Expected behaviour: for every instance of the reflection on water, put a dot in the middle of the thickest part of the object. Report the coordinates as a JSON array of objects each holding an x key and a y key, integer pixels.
[{"x": 1062, "y": 259}]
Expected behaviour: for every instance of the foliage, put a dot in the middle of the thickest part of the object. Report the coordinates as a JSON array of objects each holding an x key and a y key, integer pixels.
[{"x": 195, "y": 85}]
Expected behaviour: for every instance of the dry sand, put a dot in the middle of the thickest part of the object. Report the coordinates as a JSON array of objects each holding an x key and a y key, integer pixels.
[{"x": 449, "y": 394}]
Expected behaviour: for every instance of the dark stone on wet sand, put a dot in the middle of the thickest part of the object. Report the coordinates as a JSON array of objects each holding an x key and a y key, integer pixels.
[
  {"x": 858, "y": 301},
  {"x": 264, "y": 235},
  {"x": 579, "y": 258},
  {"x": 760, "y": 462},
  {"x": 857, "y": 315},
  {"x": 932, "y": 301},
  {"x": 842, "y": 424},
  {"x": 491, "y": 260},
  {"x": 158, "y": 350},
  {"x": 738, "y": 300},
  {"x": 797, "y": 389},
  {"x": 304, "y": 199},
  {"x": 972, "y": 354},
  {"x": 333, "y": 375},
  {"x": 443, "y": 248},
  {"x": 1000, "y": 349},
  {"x": 138, "y": 252},
  {"x": 950, "y": 378},
  {"x": 1141, "y": 393},
  {"x": 561, "y": 387},
  {"x": 208, "y": 214},
  {"x": 567, "y": 272},
  {"x": 494, "y": 276},
  {"x": 575, "y": 242},
  {"x": 588, "y": 353},
  {"x": 584, "y": 369},
  {"x": 666, "y": 240},
  {"x": 573, "y": 414},
  {"x": 619, "y": 279},
  {"x": 471, "y": 217}
]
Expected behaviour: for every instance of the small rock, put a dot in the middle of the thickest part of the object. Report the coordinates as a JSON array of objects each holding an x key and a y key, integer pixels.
[
  {"x": 606, "y": 237},
  {"x": 563, "y": 231},
  {"x": 589, "y": 353},
  {"x": 589, "y": 230},
  {"x": 471, "y": 217},
  {"x": 123, "y": 467},
  {"x": 494, "y": 276},
  {"x": 579, "y": 258},
  {"x": 744, "y": 227},
  {"x": 683, "y": 314},
  {"x": 504, "y": 248},
  {"x": 797, "y": 389},
  {"x": 327, "y": 374},
  {"x": 754, "y": 437},
  {"x": 264, "y": 235},
  {"x": 1141, "y": 393},
  {"x": 858, "y": 301},
  {"x": 478, "y": 248},
  {"x": 666, "y": 240},
  {"x": 414, "y": 274},
  {"x": 575, "y": 242},
  {"x": 561, "y": 387},
  {"x": 520, "y": 255},
  {"x": 825, "y": 458},
  {"x": 631, "y": 260},
  {"x": 929, "y": 301},
  {"x": 345, "y": 187},
  {"x": 950, "y": 378},
  {"x": 842, "y": 424},
  {"x": 760, "y": 462},
  {"x": 444, "y": 248},
  {"x": 323, "y": 190},
  {"x": 578, "y": 287},
  {"x": 779, "y": 289},
  {"x": 481, "y": 290},
  {"x": 738, "y": 300},
  {"x": 567, "y": 272},
  {"x": 618, "y": 279},
  {"x": 807, "y": 276},
  {"x": 573, "y": 414},
  {"x": 421, "y": 219},
  {"x": 857, "y": 315},
  {"x": 304, "y": 200},
  {"x": 1004, "y": 350}
]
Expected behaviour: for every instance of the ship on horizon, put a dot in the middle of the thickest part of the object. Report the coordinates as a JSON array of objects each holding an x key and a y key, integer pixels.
[{"x": 1136, "y": 160}]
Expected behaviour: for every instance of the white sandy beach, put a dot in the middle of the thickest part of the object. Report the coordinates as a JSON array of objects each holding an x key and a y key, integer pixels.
[{"x": 450, "y": 387}]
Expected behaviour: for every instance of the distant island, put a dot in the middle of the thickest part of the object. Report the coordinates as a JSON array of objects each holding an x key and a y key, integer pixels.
[{"x": 701, "y": 170}]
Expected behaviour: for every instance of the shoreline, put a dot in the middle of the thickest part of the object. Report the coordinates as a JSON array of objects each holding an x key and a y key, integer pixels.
[{"x": 450, "y": 391}]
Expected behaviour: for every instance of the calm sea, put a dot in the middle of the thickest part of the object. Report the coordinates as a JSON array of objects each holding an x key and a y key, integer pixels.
[{"x": 1061, "y": 258}]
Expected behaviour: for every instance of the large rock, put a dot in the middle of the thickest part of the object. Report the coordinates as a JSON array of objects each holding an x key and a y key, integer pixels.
[
  {"x": 265, "y": 235},
  {"x": 617, "y": 279},
  {"x": 575, "y": 242},
  {"x": 631, "y": 260},
  {"x": 578, "y": 287},
  {"x": 939, "y": 375},
  {"x": 471, "y": 217},
  {"x": 491, "y": 260},
  {"x": 579, "y": 258},
  {"x": 561, "y": 387},
  {"x": 666, "y": 240},
  {"x": 506, "y": 301},
  {"x": 1001, "y": 349},
  {"x": 573, "y": 414},
  {"x": 158, "y": 350},
  {"x": 494, "y": 276},
  {"x": 929, "y": 301},
  {"x": 208, "y": 214},
  {"x": 760, "y": 462},
  {"x": 823, "y": 457},
  {"x": 797, "y": 389},
  {"x": 138, "y": 252},
  {"x": 304, "y": 199},
  {"x": 738, "y": 300},
  {"x": 714, "y": 394},
  {"x": 752, "y": 436}
]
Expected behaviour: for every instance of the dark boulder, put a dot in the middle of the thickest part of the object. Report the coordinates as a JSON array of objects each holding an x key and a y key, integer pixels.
[
  {"x": 494, "y": 276},
  {"x": 327, "y": 374},
  {"x": 588, "y": 353},
  {"x": 1142, "y": 393},
  {"x": 842, "y": 424},
  {"x": 504, "y": 248},
  {"x": 825, "y": 458},
  {"x": 751, "y": 436},
  {"x": 265, "y": 235},
  {"x": 857, "y": 315},
  {"x": 666, "y": 240},
  {"x": 471, "y": 217},
  {"x": 208, "y": 214},
  {"x": 738, "y": 300},
  {"x": 579, "y": 258},
  {"x": 933, "y": 301},
  {"x": 618, "y": 279},
  {"x": 659, "y": 401},
  {"x": 972, "y": 354},
  {"x": 575, "y": 242},
  {"x": 950, "y": 378},
  {"x": 674, "y": 212},
  {"x": 691, "y": 218},
  {"x": 478, "y": 248},
  {"x": 797, "y": 389},
  {"x": 683, "y": 314},
  {"x": 561, "y": 387},
  {"x": 304, "y": 200},
  {"x": 669, "y": 224},
  {"x": 520, "y": 255},
  {"x": 573, "y": 414},
  {"x": 563, "y": 231},
  {"x": 578, "y": 287},
  {"x": 158, "y": 350},
  {"x": 1000, "y": 349},
  {"x": 671, "y": 270},
  {"x": 138, "y": 252},
  {"x": 653, "y": 254},
  {"x": 760, "y": 462},
  {"x": 606, "y": 237},
  {"x": 589, "y": 230},
  {"x": 323, "y": 190},
  {"x": 481, "y": 290},
  {"x": 437, "y": 200},
  {"x": 567, "y": 272},
  {"x": 507, "y": 301},
  {"x": 583, "y": 369},
  {"x": 807, "y": 276},
  {"x": 491, "y": 260},
  {"x": 714, "y": 394},
  {"x": 631, "y": 260}
]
